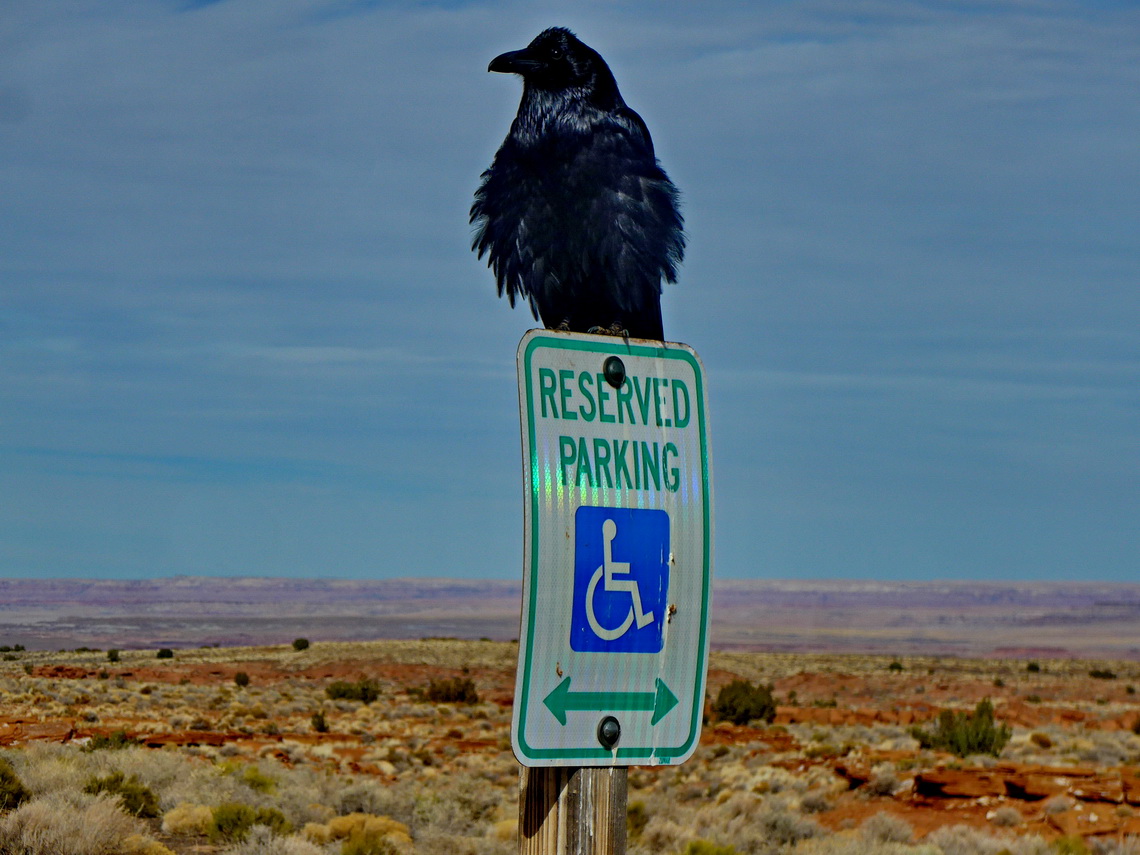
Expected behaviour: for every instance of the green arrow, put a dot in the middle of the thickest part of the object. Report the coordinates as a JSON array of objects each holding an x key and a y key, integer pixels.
[{"x": 562, "y": 699}]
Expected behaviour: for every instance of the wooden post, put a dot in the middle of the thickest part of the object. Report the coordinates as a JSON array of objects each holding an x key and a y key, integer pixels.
[{"x": 570, "y": 810}]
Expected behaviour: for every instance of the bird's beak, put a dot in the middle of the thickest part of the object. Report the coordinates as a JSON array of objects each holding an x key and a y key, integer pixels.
[{"x": 515, "y": 62}]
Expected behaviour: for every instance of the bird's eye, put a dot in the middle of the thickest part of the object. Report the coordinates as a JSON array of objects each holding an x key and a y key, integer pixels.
[{"x": 556, "y": 53}]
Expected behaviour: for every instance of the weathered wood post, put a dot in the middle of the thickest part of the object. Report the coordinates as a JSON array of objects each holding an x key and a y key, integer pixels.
[
  {"x": 572, "y": 810},
  {"x": 617, "y": 566}
]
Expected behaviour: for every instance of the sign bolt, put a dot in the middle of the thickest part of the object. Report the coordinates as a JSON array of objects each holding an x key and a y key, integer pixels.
[
  {"x": 614, "y": 369},
  {"x": 609, "y": 732}
]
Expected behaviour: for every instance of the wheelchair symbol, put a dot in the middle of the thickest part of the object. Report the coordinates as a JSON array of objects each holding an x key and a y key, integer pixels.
[
  {"x": 619, "y": 606},
  {"x": 608, "y": 570}
]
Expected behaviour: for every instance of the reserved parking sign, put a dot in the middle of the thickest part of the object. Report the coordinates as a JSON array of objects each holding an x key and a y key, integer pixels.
[{"x": 617, "y": 552}]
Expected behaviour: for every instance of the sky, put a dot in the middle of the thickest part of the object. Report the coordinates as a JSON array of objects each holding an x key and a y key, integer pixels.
[{"x": 242, "y": 333}]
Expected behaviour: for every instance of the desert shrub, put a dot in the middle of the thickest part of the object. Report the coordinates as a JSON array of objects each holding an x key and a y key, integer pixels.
[
  {"x": 1041, "y": 740},
  {"x": 741, "y": 702},
  {"x": 963, "y": 733},
  {"x": 136, "y": 844},
  {"x": 815, "y": 801},
  {"x": 895, "y": 666},
  {"x": 136, "y": 798},
  {"x": 114, "y": 741},
  {"x": 371, "y": 846},
  {"x": 364, "y": 834},
  {"x": 13, "y": 793},
  {"x": 300, "y": 644},
  {"x": 1136, "y": 726},
  {"x": 263, "y": 841},
  {"x": 886, "y": 828},
  {"x": 1074, "y": 845},
  {"x": 258, "y": 781},
  {"x": 452, "y": 690},
  {"x": 1033, "y": 668},
  {"x": 1102, "y": 674},
  {"x": 318, "y": 722},
  {"x": 635, "y": 819},
  {"x": 963, "y": 840},
  {"x": 704, "y": 847},
  {"x": 72, "y": 824},
  {"x": 112, "y": 655},
  {"x": 232, "y": 821},
  {"x": 883, "y": 783},
  {"x": 188, "y": 818},
  {"x": 662, "y": 834},
  {"x": 1006, "y": 817},
  {"x": 459, "y": 807},
  {"x": 317, "y": 832},
  {"x": 365, "y": 691},
  {"x": 165, "y": 653},
  {"x": 241, "y": 679},
  {"x": 785, "y": 828},
  {"x": 1058, "y": 804}
]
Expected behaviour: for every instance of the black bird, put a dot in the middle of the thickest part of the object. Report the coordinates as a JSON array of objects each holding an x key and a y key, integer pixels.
[{"x": 575, "y": 214}]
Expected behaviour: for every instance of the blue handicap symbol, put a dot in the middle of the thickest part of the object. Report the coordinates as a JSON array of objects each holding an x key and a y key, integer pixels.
[{"x": 621, "y": 580}]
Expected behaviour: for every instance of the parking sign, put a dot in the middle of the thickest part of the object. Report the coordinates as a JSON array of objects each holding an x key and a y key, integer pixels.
[{"x": 613, "y": 646}]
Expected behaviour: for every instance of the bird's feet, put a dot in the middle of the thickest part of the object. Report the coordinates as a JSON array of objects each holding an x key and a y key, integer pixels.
[
  {"x": 564, "y": 326},
  {"x": 614, "y": 329}
]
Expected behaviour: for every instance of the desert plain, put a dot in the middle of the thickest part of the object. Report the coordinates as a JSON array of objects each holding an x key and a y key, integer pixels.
[{"x": 403, "y": 745}]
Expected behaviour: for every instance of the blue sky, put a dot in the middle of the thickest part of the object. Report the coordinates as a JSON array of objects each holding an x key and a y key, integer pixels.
[{"x": 241, "y": 332}]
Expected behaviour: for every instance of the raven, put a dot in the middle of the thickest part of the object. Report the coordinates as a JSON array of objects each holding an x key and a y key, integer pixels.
[{"x": 575, "y": 213}]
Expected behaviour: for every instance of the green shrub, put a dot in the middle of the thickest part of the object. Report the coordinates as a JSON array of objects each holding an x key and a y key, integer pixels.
[
  {"x": 112, "y": 655},
  {"x": 365, "y": 691},
  {"x": 895, "y": 666},
  {"x": 703, "y": 847},
  {"x": 1033, "y": 668},
  {"x": 116, "y": 740},
  {"x": 165, "y": 653},
  {"x": 241, "y": 679},
  {"x": 740, "y": 702},
  {"x": 1102, "y": 674},
  {"x": 137, "y": 799},
  {"x": 452, "y": 690},
  {"x": 232, "y": 821},
  {"x": 319, "y": 723},
  {"x": 963, "y": 733},
  {"x": 13, "y": 793},
  {"x": 1136, "y": 726},
  {"x": 300, "y": 644},
  {"x": 258, "y": 781}
]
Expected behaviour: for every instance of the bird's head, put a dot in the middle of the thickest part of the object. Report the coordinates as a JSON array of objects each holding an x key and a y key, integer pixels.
[{"x": 558, "y": 60}]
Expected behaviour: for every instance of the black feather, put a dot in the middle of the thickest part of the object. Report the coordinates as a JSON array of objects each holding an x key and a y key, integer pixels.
[{"x": 575, "y": 213}]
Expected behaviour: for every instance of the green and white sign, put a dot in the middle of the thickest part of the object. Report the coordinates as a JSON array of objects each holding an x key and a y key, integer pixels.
[{"x": 613, "y": 648}]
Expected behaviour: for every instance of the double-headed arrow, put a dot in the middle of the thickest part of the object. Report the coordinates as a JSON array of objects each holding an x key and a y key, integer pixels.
[{"x": 562, "y": 699}]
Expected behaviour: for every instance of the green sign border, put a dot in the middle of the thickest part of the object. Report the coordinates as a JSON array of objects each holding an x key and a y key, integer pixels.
[{"x": 540, "y": 338}]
